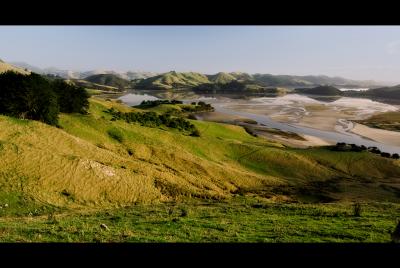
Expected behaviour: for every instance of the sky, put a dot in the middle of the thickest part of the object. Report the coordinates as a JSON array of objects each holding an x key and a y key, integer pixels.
[{"x": 355, "y": 52}]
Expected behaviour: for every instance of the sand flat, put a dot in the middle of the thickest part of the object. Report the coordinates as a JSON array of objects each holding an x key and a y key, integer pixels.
[{"x": 379, "y": 135}]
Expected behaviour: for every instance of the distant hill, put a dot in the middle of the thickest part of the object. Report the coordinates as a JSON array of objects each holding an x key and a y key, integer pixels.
[
  {"x": 172, "y": 80},
  {"x": 190, "y": 79},
  {"x": 109, "y": 80},
  {"x": 4, "y": 67},
  {"x": 280, "y": 80},
  {"x": 241, "y": 76},
  {"x": 69, "y": 74},
  {"x": 221, "y": 78},
  {"x": 320, "y": 90},
  {"x": 383, "y": 92},
  {"x": 309, "y": 81}
]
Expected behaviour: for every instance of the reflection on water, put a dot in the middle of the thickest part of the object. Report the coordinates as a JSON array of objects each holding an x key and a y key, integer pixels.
[{"x": 135, "y": 99}]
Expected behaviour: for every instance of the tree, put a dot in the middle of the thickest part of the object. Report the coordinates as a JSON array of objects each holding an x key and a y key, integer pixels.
[
  {"x": 28, "y": 97},
  {"x": 71, "y": 99}
]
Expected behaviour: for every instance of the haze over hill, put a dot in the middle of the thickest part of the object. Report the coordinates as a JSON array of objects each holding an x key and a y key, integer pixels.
[
  {"x": 70, "y": 74},
  {"x": 4, "y": 67}
]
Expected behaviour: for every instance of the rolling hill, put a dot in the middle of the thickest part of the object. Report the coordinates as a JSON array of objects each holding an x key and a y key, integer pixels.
[
  {"x": 81, "y": 165},
  {"x": 78, "y": 183},
  {"x": 173, "y": 80},
  {"x": 111, "y": 80},
  {"x": 221, "y": 78}
]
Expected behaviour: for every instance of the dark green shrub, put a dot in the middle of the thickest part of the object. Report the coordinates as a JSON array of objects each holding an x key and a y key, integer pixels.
[
  {"x": 116, "y": 134},
  {"x": 195, "y": 133},
  {"x": 192, "y": 116}
]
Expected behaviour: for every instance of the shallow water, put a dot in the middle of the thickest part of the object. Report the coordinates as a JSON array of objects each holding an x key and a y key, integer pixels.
[
  {"x": 135, "y": 99},
  {"x": 294, "y": 105}
]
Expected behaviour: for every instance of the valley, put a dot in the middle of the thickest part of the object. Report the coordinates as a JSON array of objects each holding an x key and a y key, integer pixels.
[{"x": 183, "y": 165}]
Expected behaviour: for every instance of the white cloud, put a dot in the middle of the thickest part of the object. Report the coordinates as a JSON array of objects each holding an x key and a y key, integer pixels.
[{"x": 393, "y": 47}]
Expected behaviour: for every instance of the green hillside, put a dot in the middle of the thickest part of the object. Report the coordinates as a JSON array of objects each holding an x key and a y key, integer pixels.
[
  {"x": 111, "y": 80},
  {"x": 172, "y": 80},
  {"x": 241, "y": 76},
  {"x": 221, "y": 78},
  {"x": 152, "y": 164},
  {"x": 93, "y": 170}
]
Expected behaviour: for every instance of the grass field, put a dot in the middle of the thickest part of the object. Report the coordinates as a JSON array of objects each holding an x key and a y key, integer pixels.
[
  {"x": 93, "y": 170},
  {"x": 243, "y": 219}
]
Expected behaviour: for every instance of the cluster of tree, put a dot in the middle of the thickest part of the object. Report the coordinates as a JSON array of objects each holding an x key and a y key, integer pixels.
[
  {"x": 154, "y": 103},
  {"x": 344, "y": 147},
  {"x": 152, "y": 119},
  {"x": 37, "y": 98},
  {"x": 201, "y": 106}
]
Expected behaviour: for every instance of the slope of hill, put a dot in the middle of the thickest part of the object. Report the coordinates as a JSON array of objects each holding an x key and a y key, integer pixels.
[
  {"x": 78, "y": 183},
  {"x": 4, "y": 67},
  {"x": 108, "y": 80},
  {"x": 320, "y": 90},
  {"x": 82, "y": 165},
  {"x": 241, "y": 76},
  {"x": 221, "y": 78},
  {"x": 172, "y": 80}
]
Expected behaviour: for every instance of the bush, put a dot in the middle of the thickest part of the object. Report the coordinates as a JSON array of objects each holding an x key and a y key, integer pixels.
[
  {"x": 195, "y": 133},
  {"x": 116, "y": 134},
  {"x": 152, "y": 119},
  {"x": 395, "y": 156},
  {"x": 192, "y": 116}
]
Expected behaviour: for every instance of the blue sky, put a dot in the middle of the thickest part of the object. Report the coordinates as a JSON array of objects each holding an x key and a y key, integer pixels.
[{"x": 357, "y": 52}]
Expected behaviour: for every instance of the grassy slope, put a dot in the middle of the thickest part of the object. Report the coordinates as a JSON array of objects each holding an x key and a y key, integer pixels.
[
  {"x": 174, "y": 80},
  {"x": 221, "y": 78},
  {"x": 240, "y": 220},
  {"x": 81, "y": 165},
  {"x": 388, "y": 121}
]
